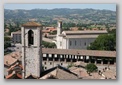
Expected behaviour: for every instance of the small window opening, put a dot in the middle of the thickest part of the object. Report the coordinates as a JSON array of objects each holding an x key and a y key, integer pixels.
[
  {"x": 30, "y": 37},
  {"x": 70, "y": 43}
]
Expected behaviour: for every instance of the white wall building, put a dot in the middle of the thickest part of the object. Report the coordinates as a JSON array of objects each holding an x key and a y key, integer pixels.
[
  {"x": 76, "y": 39},
  {"x": 16, "y": 37}
]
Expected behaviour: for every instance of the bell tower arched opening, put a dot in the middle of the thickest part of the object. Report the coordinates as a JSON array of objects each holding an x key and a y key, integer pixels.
[{"x": 30, "y": 37}]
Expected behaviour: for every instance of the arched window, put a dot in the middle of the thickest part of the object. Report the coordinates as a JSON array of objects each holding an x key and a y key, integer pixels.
[{"x": 30, "y": 37}]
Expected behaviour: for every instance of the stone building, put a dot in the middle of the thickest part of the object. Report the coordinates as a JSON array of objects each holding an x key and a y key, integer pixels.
[
  {"x": 64, "y": 57},
  {"x": 16, "y": 37},
  {"x": 31, "y": 49}
]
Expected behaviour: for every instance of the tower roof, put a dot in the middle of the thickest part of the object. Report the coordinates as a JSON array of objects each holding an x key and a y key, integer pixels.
[
  {"x": 59, "y": 20},
  {"x": 31, "y": 24}
]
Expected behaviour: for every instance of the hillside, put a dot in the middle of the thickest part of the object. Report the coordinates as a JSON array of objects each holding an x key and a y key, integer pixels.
[{"x": 46, "y": 16}]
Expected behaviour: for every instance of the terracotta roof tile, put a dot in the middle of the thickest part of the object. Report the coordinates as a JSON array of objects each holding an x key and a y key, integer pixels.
[
  {"x": 45, "y": 31},
  {"x": 14, "y": 76},
  {"x": 31, "y": 24},
  {"x": 13, "y": 66},
  {"x": 60, "y": 72},
  {"x": 11, "y": 58},
  {"x": 86, "y": 32},
  {"x": 19, "y": 75},
  {"x": 82, "y": 36},
  {"x": 8, "y": 60},
  {"x": 109, "y": 74},
  {"x": 96, "y": 53},
  {"x": 8, "y": 76}
]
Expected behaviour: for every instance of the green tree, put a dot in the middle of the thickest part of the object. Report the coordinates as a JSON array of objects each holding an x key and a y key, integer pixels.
[
  {"x": 80, "y": 28},
  {"x": 7, "y": 42},
  {"x": 104, "y": 42},
  {"x": 91, "y": 68},
  {"x": 48, "y": 45},
  {"x": 53, "y": 32},
  {"x": 7, "y": 38},
  {"x": 52, "y": 45}
]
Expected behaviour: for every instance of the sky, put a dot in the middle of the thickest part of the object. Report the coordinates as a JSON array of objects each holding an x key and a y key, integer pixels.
[{"x": 52, "y": 6}]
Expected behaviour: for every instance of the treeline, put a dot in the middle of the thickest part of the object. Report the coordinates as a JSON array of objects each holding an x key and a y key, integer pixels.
[
  {"x": 7, "y": 42},
  {"x": 11, "y": 28},
  {"x": 104, "y": 42},
  {"x": 67, "y": 15},
  {"x": 48, "y": 45},
  {"x": 81, "y": 26}
]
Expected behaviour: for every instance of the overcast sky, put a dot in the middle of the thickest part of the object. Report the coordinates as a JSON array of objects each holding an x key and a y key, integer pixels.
[{"x": 52, "y": 6}]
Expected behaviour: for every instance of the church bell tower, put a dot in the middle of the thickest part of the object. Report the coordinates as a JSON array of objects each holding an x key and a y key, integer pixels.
[{"x": 31, "y": 33}]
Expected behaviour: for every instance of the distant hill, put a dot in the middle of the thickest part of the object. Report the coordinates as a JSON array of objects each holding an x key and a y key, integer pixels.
[{"x": 66, "y": 15}]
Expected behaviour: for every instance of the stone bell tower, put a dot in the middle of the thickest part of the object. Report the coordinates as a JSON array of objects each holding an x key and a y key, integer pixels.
[
  {"x": 59, "y": 28},
  {"x": 31, "y": 49},
  {"x": 58, "y": 37}
]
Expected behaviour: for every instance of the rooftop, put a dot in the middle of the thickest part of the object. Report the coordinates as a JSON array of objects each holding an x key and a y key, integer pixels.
[
  {"x": 8, "y": 60},
  {"x": 31, "y": 24},
  {"x": 96, "y": 53},
  {"x": 59, "y": 72},
  {"x": 14, "y": 75},
  {"x": 82, "y": 36},
  {"x": 109, "y": 74},
  {"x": 81, "y": 72},
  {"x": 86, "y": 32},
  {"x": 11, "y": 58},
  {"x": 17, "y": 32}
]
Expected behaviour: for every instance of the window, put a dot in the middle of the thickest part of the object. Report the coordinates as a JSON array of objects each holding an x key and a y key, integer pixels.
[
  {"x": 75, "y": 43},
  {"x": 16, "y": 38},
  {"x": 85, "y": 43},
  {"x": 50, "y": 63},
  {"x": 60, "y": 43},
  {"x": 80, "y": 43},
  {"x": 30, "y": 37},
  {"x": 70, "y": 43}
]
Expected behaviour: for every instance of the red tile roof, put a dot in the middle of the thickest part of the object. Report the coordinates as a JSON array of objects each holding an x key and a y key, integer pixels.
[
  {"x": 11, "y": 58},
  {"x": 96, "y": 53},
  {"x": 31, "y": 24},
  {"x": 14, "y": 75},
  {"x": 12, "y": 67},
  {"x": 45, "y": 31},
  {"x": 8, "y": 60},
  {"x": 19, "y": 75},
  {"x": 89, "y": 32}
]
